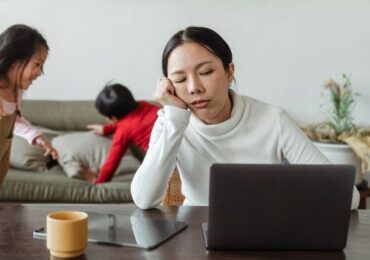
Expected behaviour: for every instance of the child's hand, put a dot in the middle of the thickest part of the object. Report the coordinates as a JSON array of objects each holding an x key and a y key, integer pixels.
[
  {"x": 166, "y": 94},
  {"x": 49, "y": 149},
  {"x": 96, "y": 129}
]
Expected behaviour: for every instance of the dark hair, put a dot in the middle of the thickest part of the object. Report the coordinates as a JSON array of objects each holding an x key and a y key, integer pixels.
[
  {"x": 18, "y": 43},
  {"x": 203, "y": 36},
  {"x": 115, "y": 100}
]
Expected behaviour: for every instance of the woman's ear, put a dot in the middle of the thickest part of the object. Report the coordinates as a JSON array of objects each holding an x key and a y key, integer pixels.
[{"x": 230, "y": 73}]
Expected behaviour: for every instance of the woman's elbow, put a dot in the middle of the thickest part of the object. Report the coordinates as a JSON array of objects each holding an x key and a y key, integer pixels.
[
  {"x": 142, "y": 202},
  {"x": 355, "y": 198}
]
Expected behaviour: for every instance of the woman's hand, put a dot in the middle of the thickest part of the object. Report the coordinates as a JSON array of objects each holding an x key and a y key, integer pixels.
[
  {"x": 96, "y": 129},
  {"x": 49, "y": 149},
  {"x": 165, "y": 94}
]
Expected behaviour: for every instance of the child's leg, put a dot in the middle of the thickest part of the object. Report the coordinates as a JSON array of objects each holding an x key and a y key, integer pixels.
[{"x": 88, "y": 175}]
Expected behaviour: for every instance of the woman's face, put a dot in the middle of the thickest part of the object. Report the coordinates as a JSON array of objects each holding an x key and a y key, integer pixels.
[
  {"x": 201, "y": 81},
  {"x": 23, "y": 75}
]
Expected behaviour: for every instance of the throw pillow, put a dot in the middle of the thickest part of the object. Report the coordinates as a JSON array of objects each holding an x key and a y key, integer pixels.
[
  {"x": 79, "y": 151},
  {"x": 29, "y": 157}
]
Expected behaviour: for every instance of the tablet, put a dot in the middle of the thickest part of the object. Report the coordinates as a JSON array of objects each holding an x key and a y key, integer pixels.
[{"x": 132, "y": 231}]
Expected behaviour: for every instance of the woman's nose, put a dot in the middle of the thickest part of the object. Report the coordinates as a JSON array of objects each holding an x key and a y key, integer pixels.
[{"x": 195, "y": 86}]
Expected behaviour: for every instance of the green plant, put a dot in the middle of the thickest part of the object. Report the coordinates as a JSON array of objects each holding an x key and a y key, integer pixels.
[{"x": 342, "y": 104}]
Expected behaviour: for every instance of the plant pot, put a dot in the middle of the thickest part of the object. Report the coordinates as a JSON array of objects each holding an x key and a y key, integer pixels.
[{"x": 341, "y": 154}]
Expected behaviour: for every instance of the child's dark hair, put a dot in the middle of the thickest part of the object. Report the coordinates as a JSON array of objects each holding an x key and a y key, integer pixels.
[
  {"x": 115, "y": 100},
  {"x": 18, "y": 43},
  {"x": 206, "y": 37}
]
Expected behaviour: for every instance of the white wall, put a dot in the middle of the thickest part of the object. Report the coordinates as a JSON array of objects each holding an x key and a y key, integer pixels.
[{"x": 284, "y": 49}]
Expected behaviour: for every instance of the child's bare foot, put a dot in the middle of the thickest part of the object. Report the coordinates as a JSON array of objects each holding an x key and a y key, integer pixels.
[{"x": 88, "y": 175}]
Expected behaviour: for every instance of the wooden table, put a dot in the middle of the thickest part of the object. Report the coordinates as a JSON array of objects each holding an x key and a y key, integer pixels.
[{"x": 17, "y": 222}]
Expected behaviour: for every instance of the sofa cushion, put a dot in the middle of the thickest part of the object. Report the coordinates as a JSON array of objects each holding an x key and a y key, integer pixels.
[
  {"x": 62, "y": 115},
  {"x": 53, "y": 186},
  {"x": 79, "y": 151}
]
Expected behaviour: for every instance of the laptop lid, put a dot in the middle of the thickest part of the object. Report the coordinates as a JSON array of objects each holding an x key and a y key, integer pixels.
[{"x": 282, "y": 207}]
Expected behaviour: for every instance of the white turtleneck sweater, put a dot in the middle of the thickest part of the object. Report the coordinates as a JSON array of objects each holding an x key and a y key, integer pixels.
[{"x": 255, "y": 133}]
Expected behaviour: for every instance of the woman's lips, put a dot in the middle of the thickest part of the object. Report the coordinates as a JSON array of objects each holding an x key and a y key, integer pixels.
[{"x": 200, "y": 104}]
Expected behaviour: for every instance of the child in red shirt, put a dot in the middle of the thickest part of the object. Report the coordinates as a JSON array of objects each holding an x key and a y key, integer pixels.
[{"x": 132, "y": 123}]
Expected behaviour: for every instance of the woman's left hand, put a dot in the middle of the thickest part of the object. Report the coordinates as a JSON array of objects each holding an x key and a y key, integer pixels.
[{"x": 49, "y": 149}]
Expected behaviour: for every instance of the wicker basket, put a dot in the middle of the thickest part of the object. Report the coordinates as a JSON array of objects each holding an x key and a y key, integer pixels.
[{"x": 173, "y": 195}]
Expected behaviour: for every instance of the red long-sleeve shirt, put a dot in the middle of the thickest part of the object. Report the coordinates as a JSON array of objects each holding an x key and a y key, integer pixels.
[{"x": 136, "y": 128}]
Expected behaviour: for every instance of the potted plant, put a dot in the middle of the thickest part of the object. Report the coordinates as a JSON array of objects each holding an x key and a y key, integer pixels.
[{"x": 334, "y": 137}]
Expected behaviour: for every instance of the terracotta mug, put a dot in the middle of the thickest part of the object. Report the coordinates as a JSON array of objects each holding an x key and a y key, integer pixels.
[{"x": 66, "y": 233}]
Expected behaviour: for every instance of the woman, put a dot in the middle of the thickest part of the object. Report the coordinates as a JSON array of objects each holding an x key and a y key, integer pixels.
[
  {"x": 23, "y": 52},
  {"x": 203, "y": 122}
]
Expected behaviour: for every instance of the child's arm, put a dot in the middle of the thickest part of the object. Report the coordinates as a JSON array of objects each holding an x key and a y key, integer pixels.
[
  {"x": 118, "y": 148},
  {"x": 24, "y": 129},
  {"x": 109, "y": 129},
  {"x": 102, "y": 129}
]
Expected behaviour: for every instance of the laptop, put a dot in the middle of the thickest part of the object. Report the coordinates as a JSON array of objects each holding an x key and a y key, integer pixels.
[{"x": 279, "y": 207}]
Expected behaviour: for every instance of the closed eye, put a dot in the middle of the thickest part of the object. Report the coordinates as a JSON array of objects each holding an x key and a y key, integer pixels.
[
  {"x": 206, "y": 72},
  {"x": 179, "y": 80}
]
